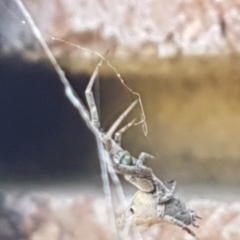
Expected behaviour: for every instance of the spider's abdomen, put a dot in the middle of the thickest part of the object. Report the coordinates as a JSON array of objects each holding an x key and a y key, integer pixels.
[
  {"x": 143, "y": 184},
  {"x": 142, "y": 210}
]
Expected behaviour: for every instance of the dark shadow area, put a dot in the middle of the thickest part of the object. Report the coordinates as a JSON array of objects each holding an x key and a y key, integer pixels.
[{"x": 42, "y": 135}]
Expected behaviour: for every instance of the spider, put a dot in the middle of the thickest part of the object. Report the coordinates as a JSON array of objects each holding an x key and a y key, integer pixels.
[
  {"x": 122, "y": 162},
  {"x": 167, "y": 207}
]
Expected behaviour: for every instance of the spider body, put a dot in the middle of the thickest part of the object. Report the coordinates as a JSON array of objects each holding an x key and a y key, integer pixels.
[
  {"x": 124, "y": 163},
  {"x": 143, "y": 211},
  {"x": 139, "y": 175}
]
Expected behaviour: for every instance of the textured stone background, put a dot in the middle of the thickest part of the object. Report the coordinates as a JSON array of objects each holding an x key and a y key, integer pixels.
[
  {"x": 126, "y": 27},
  {"x": 40, "y": 216}
]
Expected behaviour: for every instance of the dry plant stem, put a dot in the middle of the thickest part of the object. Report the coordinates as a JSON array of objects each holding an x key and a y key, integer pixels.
[{"x": 76, "y": 102}]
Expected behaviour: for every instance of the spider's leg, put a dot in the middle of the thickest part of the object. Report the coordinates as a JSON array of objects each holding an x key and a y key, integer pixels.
[
  {"x": 90, "y": 98},
  {"x": 168, "y": 193},
  {"x": 166, "y": 197},
  {"x": 132, "y": 170},
  {"x": 118, "y": 134},
  {"x": 174, "y": 221},
  {"x": 144, "y": 156},
  {"x": 108, "y": 137},
  {"x": 173, "y": 185}
]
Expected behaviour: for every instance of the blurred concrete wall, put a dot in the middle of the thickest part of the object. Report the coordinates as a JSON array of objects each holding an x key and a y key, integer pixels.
[{"x": 137, "y": 28}]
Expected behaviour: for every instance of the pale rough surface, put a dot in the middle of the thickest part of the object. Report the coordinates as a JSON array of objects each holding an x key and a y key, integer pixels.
[
  {"x": 50, "y": 218},
  {"x": 136, "y": 28}
]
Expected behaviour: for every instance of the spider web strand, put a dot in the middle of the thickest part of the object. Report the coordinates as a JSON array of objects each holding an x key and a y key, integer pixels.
[{"x": 143, "y": 116}]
